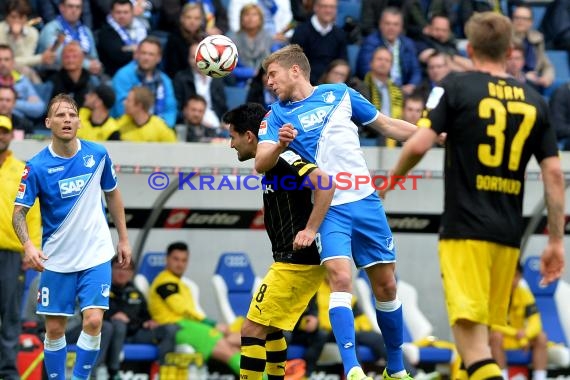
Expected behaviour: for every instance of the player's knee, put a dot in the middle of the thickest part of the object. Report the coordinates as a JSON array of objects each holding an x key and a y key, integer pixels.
[
  {"x": 496, "y": 340},
  {"x": 92, "y": 323},
  {"x": 340, "y": 281},
  {"x": 253, "y": 329}
]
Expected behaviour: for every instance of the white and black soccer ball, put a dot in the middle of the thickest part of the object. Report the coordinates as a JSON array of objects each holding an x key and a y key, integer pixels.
[{"x": 216, "y": 56}]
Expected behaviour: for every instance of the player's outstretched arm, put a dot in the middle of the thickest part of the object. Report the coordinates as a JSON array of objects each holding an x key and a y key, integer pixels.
[
  {"x": 324, "y": 190},
  {"x": 393, "y": 128},
  {"x": 32, "y": 256},
  {"x": 117, "y": 210},
  {"x": 552, "y": 263},
  {"x": 266, "y": 156},
  {"x": 412, "y": 152}
]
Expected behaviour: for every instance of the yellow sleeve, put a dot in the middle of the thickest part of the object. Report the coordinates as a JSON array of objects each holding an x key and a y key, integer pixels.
[
  {"x": 178, "y": 300},
  {"x": 533, "y": 325},
  {"x": 34, "y": 220},
  {"x": 167, "y": 135}
]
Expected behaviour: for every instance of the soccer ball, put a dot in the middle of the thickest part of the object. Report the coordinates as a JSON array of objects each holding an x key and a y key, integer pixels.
[{"x": 216, "y": 56}]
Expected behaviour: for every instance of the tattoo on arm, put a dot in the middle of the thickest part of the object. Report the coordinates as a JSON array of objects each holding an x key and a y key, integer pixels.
[{"x": 19, "y": 223}]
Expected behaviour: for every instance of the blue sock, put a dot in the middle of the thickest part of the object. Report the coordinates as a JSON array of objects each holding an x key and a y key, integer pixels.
[
  {"x": 390, "y": 321},
  {"x": 342, "y": 322},
  {"x": 87, "y": 351},
  {"x": 55, "y": 355}
]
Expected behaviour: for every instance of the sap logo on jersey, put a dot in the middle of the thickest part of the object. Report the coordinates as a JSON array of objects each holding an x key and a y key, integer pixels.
[
  {"x": 71, "y": 187},
  {"x": 314, "y": 118}
]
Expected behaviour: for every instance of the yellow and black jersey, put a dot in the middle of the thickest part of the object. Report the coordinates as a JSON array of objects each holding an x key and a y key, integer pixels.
[
  {"x": 154, "y": 130},
  {"x": 170, "y": 300},
  {"x": 523, "y": 312},
  {"x": 108, "y": 130},
  {"x": 493, "y": 127},
  {"x": 287, "y": 205}
]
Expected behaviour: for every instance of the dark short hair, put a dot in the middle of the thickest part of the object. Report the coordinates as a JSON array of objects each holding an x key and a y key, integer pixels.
[
  {"x": 198, "y": 98},
  {"x": 176, "y": 246},
  {"x": 115, "y": 260},
  {"x": 121, "y": 2},
  {"x": 246, "y": 117},
  {"x": 19, "y": 6},
  {"x": 152, "y": 40},
  {"x": 10, "y": 88}
]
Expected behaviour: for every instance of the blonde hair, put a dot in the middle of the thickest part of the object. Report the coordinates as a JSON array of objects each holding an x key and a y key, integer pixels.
[
  {"x": 247, "y": 8},
  {"x": 289, "y": 56},
  {"x": 143, "y": 96},
  {"x": 60, "y": 98},
  {"x": 489, "y": 34}
]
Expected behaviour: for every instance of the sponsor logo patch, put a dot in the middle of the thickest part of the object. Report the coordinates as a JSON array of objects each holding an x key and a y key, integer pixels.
[
  {"x": 72, "y": 187},
  {"x": 314, "y": 119},
  {"x": 21, "y": 191}
]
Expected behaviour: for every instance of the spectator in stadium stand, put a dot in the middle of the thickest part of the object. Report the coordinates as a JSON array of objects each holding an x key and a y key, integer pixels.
[
  {"x": 11, "y": 250},
  {"x": 413, "y": 106},
  {"x": 515, "y": 63},
  {"x": 321, "y": 40},
  {"x": 437, "y": 69},
  {"x": 7, "y": 104},
  {"x": 538, "y": 69},
  {"x": 28, "y": 103},
  {"x": 276, "y": 13},
  {"x": 196, "y": 131},
  {"x": 23, "y": 38},
  {"x": 252, "y": 41},
  {"x": 50, "y": 9},
  {"x": 437, "y": 38},
  {"x": 69, "y": 26},
  {"x": 144, "y": 71},
  {"x": 119, "y": 36},
  {"x": 191, "y": 81},
  {"x": 382, "y": 92},
  {"x": 138, "y": 124},
  {"x": 72, "y": 78},
  {"x": 406, "y": 71},
  {"x": 171, "y": 300},
  {"x": 96, "y": 122},
  {"x": 190, "y": 31},
  {"x": 215, "y": 15}
]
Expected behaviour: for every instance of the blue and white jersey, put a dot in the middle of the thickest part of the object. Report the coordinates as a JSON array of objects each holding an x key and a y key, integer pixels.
[
  {"x": 326, "y": 134},
  {"x": 76, "y": 235}
]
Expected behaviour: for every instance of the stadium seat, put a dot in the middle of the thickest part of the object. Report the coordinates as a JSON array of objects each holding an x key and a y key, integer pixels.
[
  {"x": 559, "y": 59},
  {"x": 235, "y": 96},
  {"x": 352, "y": 51},
  {"x": 419, "y": 345},
  {"x": 234, "y": 283},
  {"x": 537, "y": 14},
  {"x": 151, "y": 264},
  {"x": 347, "y": 8}
]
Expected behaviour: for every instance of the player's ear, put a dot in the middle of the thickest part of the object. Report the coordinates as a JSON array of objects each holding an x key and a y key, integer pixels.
[
  {"x": 48, "y": 123},
  {"x": 469, "y": 49}
]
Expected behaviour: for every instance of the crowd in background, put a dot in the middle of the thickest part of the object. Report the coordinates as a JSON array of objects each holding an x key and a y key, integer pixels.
[{"x": 129, "y": 64}]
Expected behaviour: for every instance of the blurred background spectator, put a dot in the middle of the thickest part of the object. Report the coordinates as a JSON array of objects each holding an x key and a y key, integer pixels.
[
  {"x": 191, "y": 81},
  {"x": 138, "y": 124},
  {"x": 72, "y": 78},
  {"x": 190, "y": 31},
  {"x": 144, "y": 70},
  {"x": 320, "y": 38},
  {"x": 119, "y": 37},
  {"x": 69, "y": 26},
  {"x": 96, "y": 122},
  {"x": 406, "y": 71},
  {"x": 560, "y": 115}
]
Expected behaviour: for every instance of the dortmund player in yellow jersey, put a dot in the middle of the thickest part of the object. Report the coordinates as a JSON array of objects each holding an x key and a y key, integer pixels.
[{"x": 494, "y": 124}]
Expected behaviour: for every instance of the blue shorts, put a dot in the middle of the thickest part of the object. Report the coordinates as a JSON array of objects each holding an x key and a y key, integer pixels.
[
  {"x": 358, "y": 229},
  {"x": 57, "y": 292}
]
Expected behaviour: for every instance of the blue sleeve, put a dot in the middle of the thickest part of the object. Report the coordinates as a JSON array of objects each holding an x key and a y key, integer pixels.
[
  {"x": 47, "y": 36},
  {"x": 169, "y": 113},
  {"x": 121, "y": 85},
  {"x": 109, "y": 177},
  {"x": 29, "y": 187},
  {"x": 269, "y": 128},
  {"x": 363, "y": 111},
  {"x": 365, "y": 54},
  {"x": 26, "y": 89}
]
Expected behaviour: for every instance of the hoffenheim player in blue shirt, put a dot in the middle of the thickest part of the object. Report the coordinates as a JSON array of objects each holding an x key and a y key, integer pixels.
[
  {"x": 75, "y": 260},
  {"x": 317, "y": 125}
]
